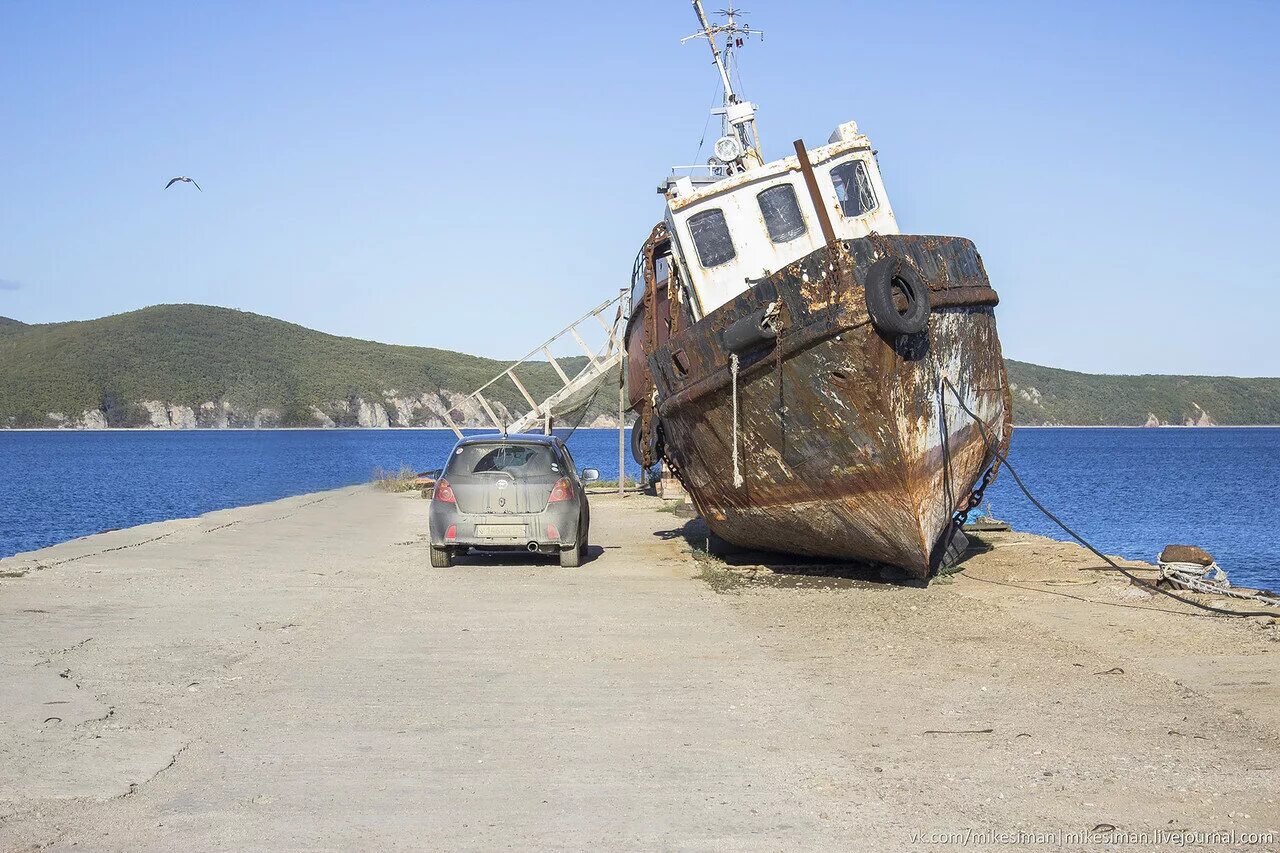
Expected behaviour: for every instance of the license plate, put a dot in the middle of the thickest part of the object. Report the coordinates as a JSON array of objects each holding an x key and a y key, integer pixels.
[{"x": 500, "y": 531}]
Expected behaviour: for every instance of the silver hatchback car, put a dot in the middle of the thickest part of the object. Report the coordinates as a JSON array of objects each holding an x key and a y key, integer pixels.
[{"x": 507, "y": 493}]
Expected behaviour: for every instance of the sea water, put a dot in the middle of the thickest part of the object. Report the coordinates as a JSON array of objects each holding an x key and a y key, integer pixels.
[{"x": 1130, "y": 491}]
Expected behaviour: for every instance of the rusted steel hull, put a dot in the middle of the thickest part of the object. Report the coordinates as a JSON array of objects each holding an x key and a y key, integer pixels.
[{"x": 849, "y": 445}]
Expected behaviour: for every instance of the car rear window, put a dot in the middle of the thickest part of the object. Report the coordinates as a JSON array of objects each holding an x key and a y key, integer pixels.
[{"x": 517, "y": 460}]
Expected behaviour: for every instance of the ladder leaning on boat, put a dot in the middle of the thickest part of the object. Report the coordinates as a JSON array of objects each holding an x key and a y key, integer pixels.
[{"x": 577, "y": 390}]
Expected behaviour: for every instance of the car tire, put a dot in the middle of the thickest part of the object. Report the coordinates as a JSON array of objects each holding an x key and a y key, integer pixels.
[
  {"x": 441, "y": 558},
  {"x": 582, "y": 544},
  {"x": 570, "y": 558}
]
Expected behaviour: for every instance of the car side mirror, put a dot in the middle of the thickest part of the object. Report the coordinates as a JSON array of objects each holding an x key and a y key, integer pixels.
[{"x": 590, "y": 475}]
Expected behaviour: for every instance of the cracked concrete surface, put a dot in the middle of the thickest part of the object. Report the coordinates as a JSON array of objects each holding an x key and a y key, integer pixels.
[{"x": 293, "y": 676}]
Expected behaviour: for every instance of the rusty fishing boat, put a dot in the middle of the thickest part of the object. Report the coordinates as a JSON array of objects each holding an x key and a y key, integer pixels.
[{"x": 820, "y": 382}]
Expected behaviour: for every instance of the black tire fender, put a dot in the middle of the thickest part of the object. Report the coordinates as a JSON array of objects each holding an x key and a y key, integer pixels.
[
  {"x": 749, "y": 333},
  {"x": 642, "y": 444},
  {"x": 637, "y": 443},
  {"x": 886, "y": 277}
]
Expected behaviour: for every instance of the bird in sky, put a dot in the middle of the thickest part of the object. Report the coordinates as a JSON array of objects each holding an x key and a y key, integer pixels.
[{"x": 182, "y": 178}]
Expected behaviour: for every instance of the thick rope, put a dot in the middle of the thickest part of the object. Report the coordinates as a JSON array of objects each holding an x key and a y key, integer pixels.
[
  {"x": 733, "y": 369},
  {"x": 994, "y": 449},
  {"x": 1210, "y": 579}
]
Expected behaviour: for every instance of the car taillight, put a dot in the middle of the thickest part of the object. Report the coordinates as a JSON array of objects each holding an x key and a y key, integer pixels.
[
  {"x": 561, "y": 491},
  {"x": 444, "y": 493}
]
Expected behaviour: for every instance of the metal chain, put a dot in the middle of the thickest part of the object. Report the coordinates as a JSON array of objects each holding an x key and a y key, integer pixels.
[
  {"x": 666, "y": 458},
  {"x": 975, "y": 497},
  {"x": 658, "y": 233},
  {"x": 882, "y": 243}
]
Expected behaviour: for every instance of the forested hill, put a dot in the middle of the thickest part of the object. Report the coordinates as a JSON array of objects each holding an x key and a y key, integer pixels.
[
  {"x": 200, "y": 366},
  {"x": 1047, "y": 395}
]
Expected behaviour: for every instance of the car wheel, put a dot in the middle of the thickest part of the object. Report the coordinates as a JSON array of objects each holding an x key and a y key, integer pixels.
[
  {"x": 570, "y": 558},
  {"x": 441, "y": 558}
]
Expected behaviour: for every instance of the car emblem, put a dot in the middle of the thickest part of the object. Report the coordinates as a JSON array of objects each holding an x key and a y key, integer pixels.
[
  {"x": 502, "y": 501},
  {"x": 502, "y": 484}
]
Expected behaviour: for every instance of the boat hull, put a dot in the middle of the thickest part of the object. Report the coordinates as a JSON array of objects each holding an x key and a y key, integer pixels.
[{"x": 850, "y": 444}]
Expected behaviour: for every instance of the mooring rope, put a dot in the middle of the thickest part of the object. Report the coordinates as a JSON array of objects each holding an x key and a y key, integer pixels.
[
  {"x": 733, "y": 370},
  {"x": 994, "y": 450},
  {"x": 1210, "y": 579}
]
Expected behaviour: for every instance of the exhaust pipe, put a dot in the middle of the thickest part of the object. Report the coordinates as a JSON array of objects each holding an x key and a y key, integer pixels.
[{"x": 532, "y": 546}]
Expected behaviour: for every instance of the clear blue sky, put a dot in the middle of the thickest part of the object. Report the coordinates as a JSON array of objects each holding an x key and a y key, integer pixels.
[{"x": 471, "y": 175}]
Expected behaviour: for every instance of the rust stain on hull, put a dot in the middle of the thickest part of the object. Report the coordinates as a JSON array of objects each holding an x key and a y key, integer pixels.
[{"x": 848, "y": 445}]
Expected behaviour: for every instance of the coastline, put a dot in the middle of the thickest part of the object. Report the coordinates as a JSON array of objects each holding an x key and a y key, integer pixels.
[
  {"x": 144, "y": 478},
  {"x": 229, "y": 470},
  {"x": 63, "y": 551}
]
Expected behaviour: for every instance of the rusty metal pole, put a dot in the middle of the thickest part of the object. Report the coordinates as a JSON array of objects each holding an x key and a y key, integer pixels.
[
  {"x": 811, "y": 181},
  {"x": 622, "y": 427}
]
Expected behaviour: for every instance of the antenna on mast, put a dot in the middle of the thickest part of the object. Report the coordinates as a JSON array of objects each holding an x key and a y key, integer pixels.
[
  {"x": 709, "y": 33},
  {"x": 740, "y": 145}
]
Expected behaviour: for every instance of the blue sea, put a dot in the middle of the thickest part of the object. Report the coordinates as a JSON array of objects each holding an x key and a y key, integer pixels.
[{"x": 1130, "y": 491}]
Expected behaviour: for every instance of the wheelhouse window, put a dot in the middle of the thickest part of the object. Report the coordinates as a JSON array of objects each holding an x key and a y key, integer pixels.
[
  {"x": 781, "y": 213},
  {"x": 711, "y": 237},
  {"x": 853, "y": 188}
]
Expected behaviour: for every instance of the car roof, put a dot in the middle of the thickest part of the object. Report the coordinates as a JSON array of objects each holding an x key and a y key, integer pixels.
[{"x": 515, "y": 438}]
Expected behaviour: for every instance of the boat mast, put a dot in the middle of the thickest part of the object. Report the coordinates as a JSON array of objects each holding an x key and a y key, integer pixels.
[
  {"x": 710, "y": 35},
  {"x": 739, "y": 147}
]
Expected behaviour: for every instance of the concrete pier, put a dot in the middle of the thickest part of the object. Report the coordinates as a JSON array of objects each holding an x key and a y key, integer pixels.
[{"x": 294, "y": 676}]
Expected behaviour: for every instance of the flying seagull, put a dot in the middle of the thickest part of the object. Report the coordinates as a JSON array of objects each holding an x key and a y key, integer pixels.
[{"x": 182, "y": 178}]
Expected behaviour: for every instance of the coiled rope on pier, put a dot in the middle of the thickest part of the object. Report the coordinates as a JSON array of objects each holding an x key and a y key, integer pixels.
[
  {"x": 1210, "y": 579},
  {"x": 994, "y": 449}
]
